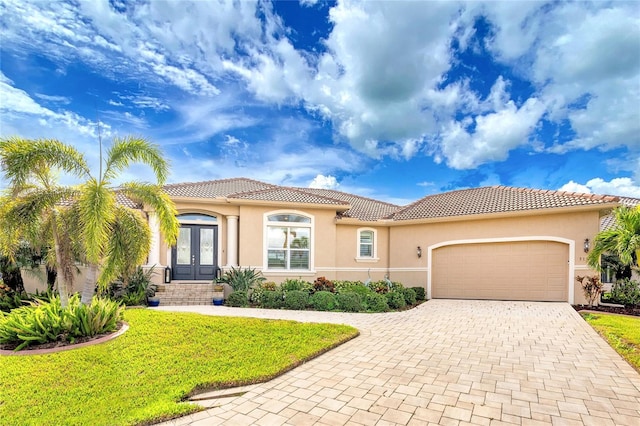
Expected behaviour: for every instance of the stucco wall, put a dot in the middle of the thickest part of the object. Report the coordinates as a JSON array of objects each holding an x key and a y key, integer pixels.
[{"x": 575, "y": 226}]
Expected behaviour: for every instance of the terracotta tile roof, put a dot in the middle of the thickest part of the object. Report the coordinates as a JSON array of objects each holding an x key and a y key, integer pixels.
[
  {"x": 215, "y": 188},
  {"x": 494, "y": 199},
  {"x": 608, "y": 221},
  {"x": 361, "y": 207},
  {"x": 126, "y": 201},
  {"x": 286, "y": 194}
]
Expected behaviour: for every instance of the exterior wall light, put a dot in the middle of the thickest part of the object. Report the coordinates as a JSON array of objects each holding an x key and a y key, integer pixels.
[
  {"x": 587, "y": 245},
  {"x": 167, "y": 275},
  {"x": 419, "y": 252}
]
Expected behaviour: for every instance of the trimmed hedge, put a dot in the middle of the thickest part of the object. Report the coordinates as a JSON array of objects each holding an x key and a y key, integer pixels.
[
  {"x": 420, "y": 293},
  {"x": 238, "y": 299},
  {"x": 409, "y": 296},
  {"x": 395, "y": 299},
  {"x": 349, "y": 302},
  {"x": 323, "y": 301},
  {"x": 271, "y": 299},
  {"x": 376, "y": 302},
  {"x": 296, "y": 299}
]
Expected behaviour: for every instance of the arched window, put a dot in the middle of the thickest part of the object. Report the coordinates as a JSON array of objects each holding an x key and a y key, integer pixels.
[
  {"x": 367, "y": 242},
  {"x": 288, "y": 241},
  {"x": 196, "y": 218}
]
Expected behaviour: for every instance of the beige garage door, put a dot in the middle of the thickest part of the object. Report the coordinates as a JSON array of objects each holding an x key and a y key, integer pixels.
[{"x": 528, "y": 270}]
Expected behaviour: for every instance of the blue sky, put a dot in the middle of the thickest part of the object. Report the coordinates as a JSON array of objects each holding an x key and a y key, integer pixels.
[{"x": 391, "y": 100}]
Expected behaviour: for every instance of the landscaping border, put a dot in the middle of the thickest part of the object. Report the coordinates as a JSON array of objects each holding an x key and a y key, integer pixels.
[{"x": 97, "y": 341}]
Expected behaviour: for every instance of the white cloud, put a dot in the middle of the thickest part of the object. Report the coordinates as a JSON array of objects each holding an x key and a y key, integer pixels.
[
  {"x": 618, "y": 186},
  {"x": 52, "y": 98},
  {"x": 324, "y": 182},
  {"x": 493, "y": 135},
  {"x": 17, "y": 104}
]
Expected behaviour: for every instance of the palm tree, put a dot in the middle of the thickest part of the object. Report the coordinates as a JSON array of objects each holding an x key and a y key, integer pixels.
[
  {"x": 34, "y": 205},
  {"x": 113, "y": 236},
  {"x": 622, "y": 240}
]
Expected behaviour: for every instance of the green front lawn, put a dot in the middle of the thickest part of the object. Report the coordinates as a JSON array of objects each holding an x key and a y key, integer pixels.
[
  {"x": 622, "y": 333},
  {"x": 145, "y": 374}
]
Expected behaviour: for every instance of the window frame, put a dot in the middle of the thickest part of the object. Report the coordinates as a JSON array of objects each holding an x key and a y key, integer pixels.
[
  {"x": 374, "y": 245},
  {"x": 288, "y": 224}
]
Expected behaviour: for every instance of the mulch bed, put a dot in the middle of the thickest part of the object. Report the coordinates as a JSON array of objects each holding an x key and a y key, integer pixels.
[{"x": 610, "y": 310}]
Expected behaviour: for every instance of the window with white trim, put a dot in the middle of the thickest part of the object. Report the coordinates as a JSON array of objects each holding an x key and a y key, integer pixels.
[
  {"x": 288, "y": 241},
  {"x": 366, "y": 244}
]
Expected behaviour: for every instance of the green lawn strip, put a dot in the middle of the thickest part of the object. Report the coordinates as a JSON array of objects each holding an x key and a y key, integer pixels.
[
  {"x": 145, "y": 374},
  {"x": 622, "y": 333}
]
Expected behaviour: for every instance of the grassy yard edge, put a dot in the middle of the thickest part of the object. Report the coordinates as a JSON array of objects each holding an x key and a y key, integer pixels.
[
  {"x": 263, "y": 379},
  {"x": 615, "y": 341}
]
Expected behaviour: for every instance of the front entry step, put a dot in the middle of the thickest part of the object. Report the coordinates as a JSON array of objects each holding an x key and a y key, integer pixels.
[{"x": 176, "y": 294}]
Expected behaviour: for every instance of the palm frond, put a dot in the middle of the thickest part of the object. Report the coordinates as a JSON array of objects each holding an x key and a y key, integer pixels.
[
  {"x": 126, "y": 151},
  {"x": 96, "y": 205},
  {"x": 23, "y": 159},
  {"x": 127, "y": 247},
  {"x": 158, "y": 200}
]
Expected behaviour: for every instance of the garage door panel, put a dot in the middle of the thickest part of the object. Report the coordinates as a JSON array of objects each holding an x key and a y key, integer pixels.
[{"x": 528, "y": 270}]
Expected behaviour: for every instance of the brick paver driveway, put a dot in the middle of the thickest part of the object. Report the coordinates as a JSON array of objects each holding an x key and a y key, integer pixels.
[{"x": 447, "y": 362}]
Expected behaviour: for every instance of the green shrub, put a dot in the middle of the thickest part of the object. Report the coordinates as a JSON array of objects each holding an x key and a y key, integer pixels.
[
  {"x": 238, "y": 299},
  {"x": 323, "y": 301},
  {"x": 409, "y": 296},
  {"x": 271, "y": 299},
  {"x": 376, "y": 302},
  {"x": 420, "y": 293},
  {"x": 349, "y": 302},
  {"x": 241, "y": 279},
  {"x": 381, "y": 286},
  {"x": 296, "y": 300},
  {"x": 323, "y": 284},
  {"x": 256, "y": 292},
  {"x": 626, "y": 292},
  {"x": 43, "y": 322},
  {"x": 352, "y": 287},
  {"x": 395, "y": 299},
  {"x": 291, "y": 284},
  {"x": 136, "y": 291}
]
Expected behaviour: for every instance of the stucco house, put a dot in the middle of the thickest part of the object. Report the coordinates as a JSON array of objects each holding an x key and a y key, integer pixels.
[{"x": 484, "y": 243}]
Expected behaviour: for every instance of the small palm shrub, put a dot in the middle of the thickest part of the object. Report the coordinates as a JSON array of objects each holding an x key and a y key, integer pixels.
[
  {"x": 349, "y": 302},
  {"x": 238, "y": 299},
  {"x": 323, "y": 284},
  {"x": 296, "y": 299},
  {"x": 395, "y": 299},
  {"x": 591, "y": 286},
  {"x": 242, "y": 279},
  {"x": 136, "y": 291},
  {"x": 376, "y": 302},
  {"x": 43, "y": 322},
  {"x": 420, "y": 293},
  {"x": 409, "y": 296},
  {"x": 271, "y": 299},
  {"x": 323, "y": 301}
]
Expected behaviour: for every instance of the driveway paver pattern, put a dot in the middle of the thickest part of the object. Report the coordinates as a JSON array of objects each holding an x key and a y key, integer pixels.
[{"x": 447, "y": 362}]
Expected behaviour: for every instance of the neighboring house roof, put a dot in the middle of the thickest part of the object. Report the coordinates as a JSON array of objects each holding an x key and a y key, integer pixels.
[
  {"x": 607, "y": 221},
  {"x": 494, "y": 199},
  {"x": 361, "y": 207}
]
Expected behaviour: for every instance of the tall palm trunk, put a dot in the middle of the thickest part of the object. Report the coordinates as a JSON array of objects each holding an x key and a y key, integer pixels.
[
  {"x": 62, "y": 283},
  {"x": 89, "y": 287}
]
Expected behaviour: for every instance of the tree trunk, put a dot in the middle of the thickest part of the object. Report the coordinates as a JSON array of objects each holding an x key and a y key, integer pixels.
[
  {"x": 11, "y": 275},
  {"x": 51, "y": 277},
  {"x": 89, "y": 287},
  {"x": 62, "y": 283}
]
